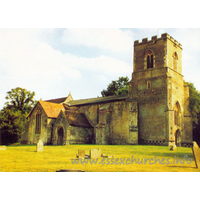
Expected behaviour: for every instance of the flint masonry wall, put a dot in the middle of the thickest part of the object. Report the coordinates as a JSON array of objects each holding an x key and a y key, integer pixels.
[
  {"x": 149, "y": 89},
  {"x": 115, "y": 124},
  {"x": 157, "y": 89},
  {"x": 30, "y": 136},
  {"x": 71, "y": 134}
]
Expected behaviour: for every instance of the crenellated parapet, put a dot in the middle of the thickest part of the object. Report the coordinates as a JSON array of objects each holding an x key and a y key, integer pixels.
[{"x": 164, "y": 36}]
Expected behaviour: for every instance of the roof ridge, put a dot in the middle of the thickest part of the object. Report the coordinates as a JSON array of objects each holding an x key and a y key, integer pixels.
[
  {"x": 55, "y": 99},
  {"x": 121, "y": 95},
  {"x": 96, "y": 100}
]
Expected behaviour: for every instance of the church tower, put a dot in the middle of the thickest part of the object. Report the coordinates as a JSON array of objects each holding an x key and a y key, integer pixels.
[{"x": 162, "y": 95}]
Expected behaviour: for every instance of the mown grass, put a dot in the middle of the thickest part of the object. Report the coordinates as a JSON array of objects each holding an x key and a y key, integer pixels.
[{"x": 24, "y": 158}]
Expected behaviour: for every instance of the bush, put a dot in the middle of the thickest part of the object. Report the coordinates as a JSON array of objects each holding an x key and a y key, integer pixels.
[{"x": 9, "y": 138}]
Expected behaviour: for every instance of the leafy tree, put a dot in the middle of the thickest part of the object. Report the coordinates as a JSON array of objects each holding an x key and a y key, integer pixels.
[
  {"x": 21, "y": 99},
  {"x": 13, "y": 115},
  {"x": 195, "y": 110},
  {"x": 194, "y": 102},
  {"x": 11, "y": 125},
  {"x": 117, "y": 87}
]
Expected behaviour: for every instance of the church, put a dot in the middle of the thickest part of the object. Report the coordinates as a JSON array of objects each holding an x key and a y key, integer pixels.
[{"x": 154, "y": 112}]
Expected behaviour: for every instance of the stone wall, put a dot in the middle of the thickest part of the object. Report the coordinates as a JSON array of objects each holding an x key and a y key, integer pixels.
[
  {"x": 117, "y": 124},
  {"x": 30, "y": 136},
  {"x": 158, "y": 89},
  {"x": 80, "y": 135},
  {"x": 71, "y": 134}
]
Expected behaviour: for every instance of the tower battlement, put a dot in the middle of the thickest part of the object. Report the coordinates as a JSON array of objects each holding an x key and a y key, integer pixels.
[{"x": 155, "y": 38}]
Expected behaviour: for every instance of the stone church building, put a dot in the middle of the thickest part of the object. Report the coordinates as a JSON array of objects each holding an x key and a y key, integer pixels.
[{"x": 155, "y": 111}]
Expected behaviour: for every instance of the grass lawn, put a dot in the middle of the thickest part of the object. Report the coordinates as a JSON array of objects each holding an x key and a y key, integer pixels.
[{"x": 24, "y": 158}]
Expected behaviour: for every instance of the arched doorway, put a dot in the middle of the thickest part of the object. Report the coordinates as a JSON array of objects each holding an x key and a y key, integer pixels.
[
  {"x": 178, "y": 138},
  {"x": 60, "y": 136}
]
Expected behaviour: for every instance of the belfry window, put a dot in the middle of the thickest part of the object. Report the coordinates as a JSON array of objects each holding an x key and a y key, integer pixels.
[{"x": 149, "y": 60}]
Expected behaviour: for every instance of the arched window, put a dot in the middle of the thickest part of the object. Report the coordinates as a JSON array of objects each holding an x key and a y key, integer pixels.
[
  {"x": 38, "y": 122},
  {"x": 149, "y": 60},
  {"x": 175, "y": 61},
  {"x": 177, "y": 114}
]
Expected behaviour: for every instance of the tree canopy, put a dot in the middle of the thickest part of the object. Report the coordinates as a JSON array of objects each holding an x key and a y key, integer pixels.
[
  {"x": 20, "y": 99},
  {"x": 195, "y": 111},
  {"x": 117, "y": 87},
  {"x": 11, "y": 125},
  {"x": 13, "y": 115}
]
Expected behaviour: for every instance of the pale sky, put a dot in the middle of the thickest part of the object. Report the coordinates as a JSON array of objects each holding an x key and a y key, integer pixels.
[{"x": 53, "y": 62}]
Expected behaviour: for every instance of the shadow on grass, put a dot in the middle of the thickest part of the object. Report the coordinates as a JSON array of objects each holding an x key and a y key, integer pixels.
[
  {"x": 182, "y": 167},
  {"x": 171, "y": 155}
]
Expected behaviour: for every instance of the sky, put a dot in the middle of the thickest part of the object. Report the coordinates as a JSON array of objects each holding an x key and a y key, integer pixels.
[{"x": 54, "y": 62}]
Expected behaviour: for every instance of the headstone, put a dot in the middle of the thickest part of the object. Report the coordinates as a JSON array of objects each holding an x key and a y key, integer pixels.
[
  {"x": 172, "y": 147},
  {"x": 67, "y": 143},
  {"x": 81, "y": 153},
  {"x": 2, "y": 147},
  {"x": 110, "y": 156},
  {"x": 196, "y": 153},
  {"x": 95, "y": 153},
  {"x": 104, "y": 155},
  {"x": 40, "y": 146}
]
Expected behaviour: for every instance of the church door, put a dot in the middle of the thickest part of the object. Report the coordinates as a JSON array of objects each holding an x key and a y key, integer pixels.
[
  {"x": 178, "y": 138},
  {"x": 60, "y": 136}
]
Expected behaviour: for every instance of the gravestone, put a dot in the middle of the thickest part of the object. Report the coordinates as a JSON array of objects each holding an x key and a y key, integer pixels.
[
  {"x": 172, "y": 147},
  {"x": 40, "y": 147},
  {"x": 95, "y": 153},
  {"x": 104, "y": 155},
  {"x": 196, "y": 153},
  {"x": 2, "y": 147},
  {"x": 67, "y": 143},
  {"x": 81, "y": 153}
]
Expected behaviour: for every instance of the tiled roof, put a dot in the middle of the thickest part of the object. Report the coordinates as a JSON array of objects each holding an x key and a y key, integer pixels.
[
  {"x": 97, "y": 100},
  {"x": 60, "y": 100},
  {"x": 52, "y": 110},
  {"x": 77, "y": 119}
]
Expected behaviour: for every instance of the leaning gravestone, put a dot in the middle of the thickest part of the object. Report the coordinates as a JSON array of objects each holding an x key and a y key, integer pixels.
[
  {"x": 2, "y": 147},
  {"x": 95, "y": 153},
  {"x": 196, "y": 153},
  {"x": 81, "y": 153},
  {"x": 40, "y": 147}
]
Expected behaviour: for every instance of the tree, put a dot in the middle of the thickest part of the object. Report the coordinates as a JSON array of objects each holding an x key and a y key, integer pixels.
[
  {"x": 194, "y": 102},
  {"x": 13, "y": 115},
  {"x": 117, "y": 87},
  {"x": 11, "y": 125},
  {"x": 195, "y": 111},
  {"x": 21, "y": 99}
]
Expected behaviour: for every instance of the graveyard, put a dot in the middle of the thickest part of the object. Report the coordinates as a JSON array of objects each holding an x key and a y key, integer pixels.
[{"x": 33, "y": 158}]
